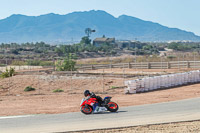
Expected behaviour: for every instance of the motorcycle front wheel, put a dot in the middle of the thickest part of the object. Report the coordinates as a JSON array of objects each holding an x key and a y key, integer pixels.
[
  {"x": 86, "y": 109},
  {"x": 112, "y": 107}
]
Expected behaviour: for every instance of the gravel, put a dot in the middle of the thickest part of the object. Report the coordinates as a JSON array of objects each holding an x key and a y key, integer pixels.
[{"x": 180, "y": 127}]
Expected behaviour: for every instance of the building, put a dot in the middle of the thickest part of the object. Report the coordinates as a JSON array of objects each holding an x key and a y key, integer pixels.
[
  {"x": 129, "y": 44},
  {"x": 98, "y": 41}
]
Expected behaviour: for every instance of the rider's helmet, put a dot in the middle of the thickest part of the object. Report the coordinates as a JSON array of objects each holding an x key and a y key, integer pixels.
[{"x": 87, "y": 93}]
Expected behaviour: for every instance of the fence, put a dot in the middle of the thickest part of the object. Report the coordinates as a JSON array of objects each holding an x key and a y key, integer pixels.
[
  {"x": 144, "y": 65},
  {"x": 75, "y": 82},
  {"x": 160, "y": 82},
  {"x": 139, "y": 65}
]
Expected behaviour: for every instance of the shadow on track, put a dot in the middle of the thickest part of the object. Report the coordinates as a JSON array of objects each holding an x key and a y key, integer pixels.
[{"x": 109, "y": 112}]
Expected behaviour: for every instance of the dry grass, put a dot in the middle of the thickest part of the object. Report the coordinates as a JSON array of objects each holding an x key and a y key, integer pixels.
[{"x": 179, "y": 56}]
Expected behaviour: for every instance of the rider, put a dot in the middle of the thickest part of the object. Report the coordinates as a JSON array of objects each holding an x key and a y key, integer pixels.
[{"x": 92, "y": 95}]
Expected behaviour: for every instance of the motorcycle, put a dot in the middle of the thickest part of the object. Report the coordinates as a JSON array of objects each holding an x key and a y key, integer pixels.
[{"x": 106, "y": 105}]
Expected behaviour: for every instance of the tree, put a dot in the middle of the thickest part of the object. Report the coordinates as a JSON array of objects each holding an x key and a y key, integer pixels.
[
  {"x": 15, "y": 51},
  {"x": 85, "y": 40},
  {"x": 173, "y": 46},
  {"x": 147, "y": 47},
  {"x": 67, "y": 65}
]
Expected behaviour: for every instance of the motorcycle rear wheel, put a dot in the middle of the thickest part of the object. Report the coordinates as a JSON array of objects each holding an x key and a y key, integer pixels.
[
  {"x": 86, "y": 109},
  {"x": 112, "y": 107}
]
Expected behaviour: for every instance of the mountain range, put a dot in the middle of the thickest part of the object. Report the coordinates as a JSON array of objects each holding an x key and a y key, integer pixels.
[{"x": 62, "y": 28}]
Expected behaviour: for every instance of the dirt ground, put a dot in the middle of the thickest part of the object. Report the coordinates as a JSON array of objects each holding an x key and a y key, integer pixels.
[
  {"x": 181, "y": 127},
  {"x": 139, "y": 71},
  {"x": 14, "y": 101},
  {"x": 126, "y": 70}
]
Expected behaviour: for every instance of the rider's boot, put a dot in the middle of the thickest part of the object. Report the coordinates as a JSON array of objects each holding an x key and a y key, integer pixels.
[{"x": 96, "y": 109}]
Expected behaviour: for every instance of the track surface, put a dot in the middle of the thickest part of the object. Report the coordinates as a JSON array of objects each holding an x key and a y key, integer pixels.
[{"x": 184, "y": 110}]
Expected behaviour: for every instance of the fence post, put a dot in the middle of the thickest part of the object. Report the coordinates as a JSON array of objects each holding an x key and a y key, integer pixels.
[
  {"x": 6, "y": 63},
  {"x": 168, "y": 65},
  {"x": 38, "y": 81},
  {"x": 9, "y": 86},
  {"x": 110, "y": 66},
  {"x": 149, "y": 65},
  {"x": 103, "y": 80},
  {"x": 129, "y": 65},
  {"x": 54, "y": 65},
  {"x": 135, "y": 66},
  {"x": 123, "y": 75},
  {"x": 188, "y": 64},
  {"x": 71, "y": 80}
]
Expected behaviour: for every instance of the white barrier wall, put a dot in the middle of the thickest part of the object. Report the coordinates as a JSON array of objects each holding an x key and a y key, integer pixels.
[{"x": 160, "y": 82}]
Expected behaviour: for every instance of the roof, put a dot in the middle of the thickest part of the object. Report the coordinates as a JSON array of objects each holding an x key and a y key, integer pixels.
[
  {"x": 104, "y": 39},
  {"x": 100, "y": 39},
  {"x": 110, "y": 39}
]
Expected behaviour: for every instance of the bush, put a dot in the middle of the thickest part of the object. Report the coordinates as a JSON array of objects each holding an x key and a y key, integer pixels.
[
  {"x": 46, "y": 63},
  {"x": 114, "y": 87},
  {"x": 29, "y": 88},
  {"x": 2, "y": 65},
  {"x": 18, "y": 63},
  {"x": 15, "y": 51},
  {"x": 39, "y": 63},
  {"x": 5, "y": 74},
  {"x": 33, "y": 62},
  {"x": 8, "y": 73},
  {"x": 58, "y": 90},
  {"x": 171, "y": 57}
]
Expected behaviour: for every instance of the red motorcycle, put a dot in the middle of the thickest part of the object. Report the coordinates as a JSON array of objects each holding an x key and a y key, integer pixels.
[{"x": 106, "y": 105}]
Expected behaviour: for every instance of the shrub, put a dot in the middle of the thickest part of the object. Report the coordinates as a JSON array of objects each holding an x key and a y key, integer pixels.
[
  {"x": 18, "y": 63},
  {"x": 2, "y": 65},
  {"x": 29, "y": 88},
  {"x": 58, "y": 90},
  {"x": 46, "y": 63},
  {"x": 5, "y": 74},
  {"x": 8, "y": 73},
  {"x": 171, "y": 57},
  {"x": 114, "y": 87},
  {"x": 39, "y": 63},
  {"x": 12, "y": 71},
  {"x": 33, "y": 62}
]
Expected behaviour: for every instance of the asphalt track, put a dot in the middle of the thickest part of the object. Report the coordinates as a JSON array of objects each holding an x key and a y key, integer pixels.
[{"x": 184, "y": 110}]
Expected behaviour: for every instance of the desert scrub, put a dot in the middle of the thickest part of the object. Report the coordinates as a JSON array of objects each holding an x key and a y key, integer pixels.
[
  {"x": 8, "y": 73},
  {"x": 18, "y": 63},
  {"x": 29, "y": 88},
  {"x": 114, "y": 87},
  {"x": 2, "y": 65},
  {"x": 58, "y": 90}
]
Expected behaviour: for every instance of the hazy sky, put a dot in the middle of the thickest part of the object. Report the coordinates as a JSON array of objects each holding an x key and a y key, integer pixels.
[{"x": 183, "y": 14}]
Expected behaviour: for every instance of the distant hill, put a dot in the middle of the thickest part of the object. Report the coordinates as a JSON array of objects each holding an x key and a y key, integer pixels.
[{"x": 62, "y": 28}]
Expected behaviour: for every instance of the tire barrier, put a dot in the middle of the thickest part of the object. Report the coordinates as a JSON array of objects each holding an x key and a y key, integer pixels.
[{"x": 161, "y": 82}]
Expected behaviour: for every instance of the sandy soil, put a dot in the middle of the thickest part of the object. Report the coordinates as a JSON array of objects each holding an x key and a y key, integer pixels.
[
  {"x": 14, "y": 101},
  {"x": 181, "y": 127}
]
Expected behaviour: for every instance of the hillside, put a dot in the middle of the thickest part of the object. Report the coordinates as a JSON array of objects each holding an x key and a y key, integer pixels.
[{"x": 61, "y": 28}]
